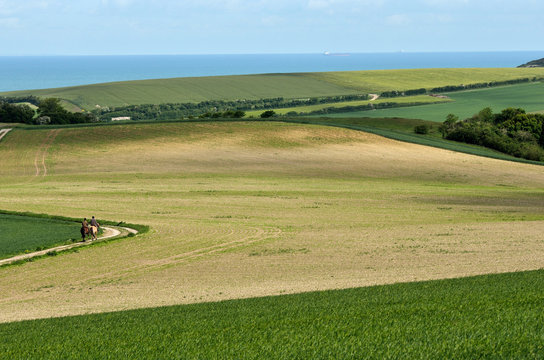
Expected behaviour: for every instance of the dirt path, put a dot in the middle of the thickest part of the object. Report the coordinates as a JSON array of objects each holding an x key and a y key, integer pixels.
[
  {"x": 3, "y": 132},
  {"x": 109, "y": 232},
  {"x": 39, "y": 159}
]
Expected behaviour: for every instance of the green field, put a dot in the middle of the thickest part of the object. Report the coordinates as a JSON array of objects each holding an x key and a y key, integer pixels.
[
  {"x": 467, "y": 103},
  {"x": 420, "y": 99},
  {"x": 24, "y": 233},
  {"x": 494, "y": 316},
  {"x": 298, "y": 85}
]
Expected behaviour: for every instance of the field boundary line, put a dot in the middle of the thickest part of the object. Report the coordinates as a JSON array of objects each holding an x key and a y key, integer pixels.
[{"x": 111, "y": 232}]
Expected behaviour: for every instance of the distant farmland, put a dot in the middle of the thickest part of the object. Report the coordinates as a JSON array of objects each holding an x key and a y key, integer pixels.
[
  {"x": 296, "y": 85},
  {"x": 466, "y": 103}
]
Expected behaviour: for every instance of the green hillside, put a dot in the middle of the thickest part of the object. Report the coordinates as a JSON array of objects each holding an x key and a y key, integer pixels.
[
  {"x": 196, "y": 89},
  {"x": 296, "y": 85}
]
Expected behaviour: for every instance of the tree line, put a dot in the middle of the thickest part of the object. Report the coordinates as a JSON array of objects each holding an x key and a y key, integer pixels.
[
  {"x": 49, "y": 111},
  {"x": 214, "y": 108},
  {"x": 451, "y": 88},
  {"x": 512, "y": 131}
]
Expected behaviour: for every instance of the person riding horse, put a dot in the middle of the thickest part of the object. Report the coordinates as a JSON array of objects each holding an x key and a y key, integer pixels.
[
  {"x": 94, "y": 228},
  {"x": 84, "y": 229},
  {"x": 91, "y": 229}
]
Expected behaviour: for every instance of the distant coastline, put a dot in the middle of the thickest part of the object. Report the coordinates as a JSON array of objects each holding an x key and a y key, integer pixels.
[
  {"x": 40, "y": 72},
  {"x": 534, "y": 63}
]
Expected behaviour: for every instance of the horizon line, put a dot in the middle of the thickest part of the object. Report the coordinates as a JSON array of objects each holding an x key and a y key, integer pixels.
[{"x": 284, "y": 53}]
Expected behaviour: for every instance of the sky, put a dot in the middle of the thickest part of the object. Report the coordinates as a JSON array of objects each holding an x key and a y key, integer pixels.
[{"x": 123, "y": 27}]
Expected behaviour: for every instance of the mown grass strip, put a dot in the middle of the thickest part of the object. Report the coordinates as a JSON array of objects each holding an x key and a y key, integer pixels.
[{"x": 491, "y": 316}]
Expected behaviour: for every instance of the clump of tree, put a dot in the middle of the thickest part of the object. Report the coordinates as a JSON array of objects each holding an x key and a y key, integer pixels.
[
  {"x": 31, "y": 99},
  {"x": 16, "y": 113},
  {"x": 512, "y": 131},
  {"x": 268, "y": 114},
  {"x": 50, "y": 111},
  {"x": 422, "y": 129},
  {"x": 229, "y": 114}
]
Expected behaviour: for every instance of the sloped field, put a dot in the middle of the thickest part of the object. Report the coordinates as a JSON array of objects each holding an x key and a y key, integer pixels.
[
  {"x": 296, "y": 85},
  {"x": 249, "y": 209}
]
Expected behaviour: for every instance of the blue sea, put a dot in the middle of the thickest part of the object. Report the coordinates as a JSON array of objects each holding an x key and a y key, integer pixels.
[{"x": 39, "y": 72}]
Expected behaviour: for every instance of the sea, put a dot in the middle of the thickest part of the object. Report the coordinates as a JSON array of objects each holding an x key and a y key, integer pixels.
[{"x": 41, "y": 72}]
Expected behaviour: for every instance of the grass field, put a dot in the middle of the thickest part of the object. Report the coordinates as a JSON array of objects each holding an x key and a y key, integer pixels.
[
  {"x": 385, "y": 80},
  {"x": 20, "y": 233},
  {"x": 496, "y": 316},
  {"x": 246, "y": 209},
  {"x": 420, "y": 99},
  {"x": 403, "y": 130},
  {"x": 467, "y": 103},
  {"x": 299, "y": 85}
]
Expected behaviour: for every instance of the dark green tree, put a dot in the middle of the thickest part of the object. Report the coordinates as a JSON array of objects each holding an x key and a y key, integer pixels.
[{"x": 268, "y": 114}]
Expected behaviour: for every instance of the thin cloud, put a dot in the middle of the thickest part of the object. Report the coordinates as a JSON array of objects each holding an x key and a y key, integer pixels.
[
  {"x": 398, "y": 20},
  {"x": 11, "y": 22},
  {"x": 11, "y": 7}
]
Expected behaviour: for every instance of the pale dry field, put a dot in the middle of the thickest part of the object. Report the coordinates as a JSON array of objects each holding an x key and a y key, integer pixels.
[{"x": 253, "y": 209}]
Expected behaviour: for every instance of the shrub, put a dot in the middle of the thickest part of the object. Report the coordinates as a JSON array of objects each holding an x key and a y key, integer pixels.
[
  {"x": 268, "y": 114},
  {"x": 421, "y": 129}
]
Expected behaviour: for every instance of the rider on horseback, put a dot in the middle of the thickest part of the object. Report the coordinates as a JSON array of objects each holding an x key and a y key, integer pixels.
[
  {"x": 94, "y": 228},
  {"x": 84, "y": 229}
]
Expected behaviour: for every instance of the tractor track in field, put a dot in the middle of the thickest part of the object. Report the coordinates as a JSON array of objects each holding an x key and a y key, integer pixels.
[
  {"x": 256, "y": 235},
  {"x": 39, "y": 159},
  {"x": 109, "y": 232}
]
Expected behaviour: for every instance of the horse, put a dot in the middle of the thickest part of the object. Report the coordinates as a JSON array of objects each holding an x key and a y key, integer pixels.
[
  {"x": 94, "y": 231},
  {"x": 89, "y": 230}
]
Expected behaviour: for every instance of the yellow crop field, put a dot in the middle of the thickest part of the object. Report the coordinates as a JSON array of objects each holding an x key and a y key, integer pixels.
[{"x": 245, "y": 209}]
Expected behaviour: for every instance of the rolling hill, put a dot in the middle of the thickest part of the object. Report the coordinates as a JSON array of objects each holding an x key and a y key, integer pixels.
[
  {"x": 297, "y": 85},
  {"x": 245, "y": 209}
]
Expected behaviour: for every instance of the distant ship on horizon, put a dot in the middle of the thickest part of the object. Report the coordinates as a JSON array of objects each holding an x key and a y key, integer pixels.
[{"x": 328, "y": 53}]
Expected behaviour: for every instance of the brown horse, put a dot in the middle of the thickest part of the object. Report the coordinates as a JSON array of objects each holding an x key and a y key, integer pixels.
[{"x": 84, "y": 232}]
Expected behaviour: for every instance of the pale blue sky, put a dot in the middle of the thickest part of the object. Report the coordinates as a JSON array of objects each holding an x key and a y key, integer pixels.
[{"x": 95, "y": 27}]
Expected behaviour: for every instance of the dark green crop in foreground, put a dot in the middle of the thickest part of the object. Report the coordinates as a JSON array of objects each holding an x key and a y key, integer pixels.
[{"x": 494, "y": 316}]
